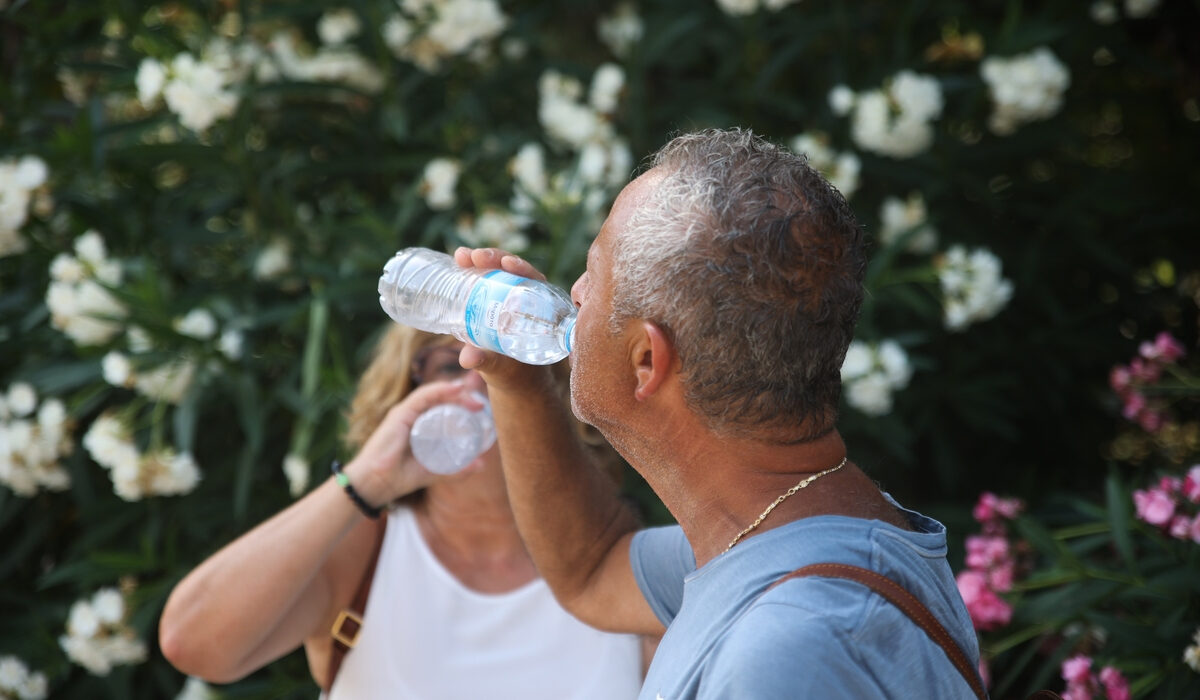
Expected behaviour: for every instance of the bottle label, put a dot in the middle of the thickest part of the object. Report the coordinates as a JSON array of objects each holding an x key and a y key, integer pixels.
[{"x": 484, "y": 305}]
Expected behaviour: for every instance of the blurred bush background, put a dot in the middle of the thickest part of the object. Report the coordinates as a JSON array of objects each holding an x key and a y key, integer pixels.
[{"x": 196, "y": 199}]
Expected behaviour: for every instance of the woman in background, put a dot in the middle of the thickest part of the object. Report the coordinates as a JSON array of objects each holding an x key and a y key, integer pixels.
[{"x": 454, "y": 607}]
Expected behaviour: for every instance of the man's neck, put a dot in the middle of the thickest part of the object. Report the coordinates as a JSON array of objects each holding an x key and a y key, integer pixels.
[{"x": 716, "y": 487}]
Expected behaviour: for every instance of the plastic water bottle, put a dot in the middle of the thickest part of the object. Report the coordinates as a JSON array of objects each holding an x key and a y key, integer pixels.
[
  {"x": 448, "y": 437},
  {"x": 528, "y": 320}
]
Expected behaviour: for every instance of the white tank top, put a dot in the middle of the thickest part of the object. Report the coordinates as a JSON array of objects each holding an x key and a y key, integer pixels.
[{"x": 426, "y": 636}]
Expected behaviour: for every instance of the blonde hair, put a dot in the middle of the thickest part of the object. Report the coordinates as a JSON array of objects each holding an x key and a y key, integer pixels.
[{"x": 387, "y": 380}]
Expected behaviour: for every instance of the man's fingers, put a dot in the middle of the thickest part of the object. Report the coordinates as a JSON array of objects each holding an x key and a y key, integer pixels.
[
  {"x": 493, "y": 258},
  {"x": 520, "y": 267}
]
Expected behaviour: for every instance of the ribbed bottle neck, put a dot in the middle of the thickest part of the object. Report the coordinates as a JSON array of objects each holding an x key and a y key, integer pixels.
[{"x": 566, "y": 333}]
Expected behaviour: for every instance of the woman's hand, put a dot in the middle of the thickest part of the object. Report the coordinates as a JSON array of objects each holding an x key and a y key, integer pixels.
[{"x": 385, "y": 469}]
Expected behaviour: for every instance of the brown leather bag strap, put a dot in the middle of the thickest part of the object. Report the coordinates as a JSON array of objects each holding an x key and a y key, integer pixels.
[
  {"x": 349, "y": 621},
  {"x": 897, "y": 595}
]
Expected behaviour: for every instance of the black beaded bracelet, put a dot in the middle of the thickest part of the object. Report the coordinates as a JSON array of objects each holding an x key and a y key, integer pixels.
[{"x": 344, "y": 481}]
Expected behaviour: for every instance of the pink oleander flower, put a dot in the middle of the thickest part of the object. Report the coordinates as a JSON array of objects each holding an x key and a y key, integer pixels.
[
  {"x": 1115, "y": 685},
  {"x": 1000, "y": 578},
  {"x": 986, "y": 609},
  {"x": 986, "y": 551},
  {"x": 1180, "y": 527},
  {"x": 1151, "y": 421},
  {"x": 1191, "y": 484},
  {"x": 1170, "y": 484},
  {"x": 990, "y": 507},
  {"x": 1077, "y": 670},
  {"x": 1154, "y": 506},
  {"x": 1165, "y": 349},
  {"x": 1077, "y": 692},
  {"x": 1119, "y": 378},
  {"x": 1135, "y": 403},
  {"x": 1194, "y": 530},
  {"x": 1145, "y": 372}
]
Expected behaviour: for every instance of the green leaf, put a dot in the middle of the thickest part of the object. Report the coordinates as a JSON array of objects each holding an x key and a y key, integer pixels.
[{"x": 1119, "y": 516}]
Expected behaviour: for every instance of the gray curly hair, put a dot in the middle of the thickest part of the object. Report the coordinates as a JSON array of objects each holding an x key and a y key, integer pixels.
[{"x": 753, "y": 265}]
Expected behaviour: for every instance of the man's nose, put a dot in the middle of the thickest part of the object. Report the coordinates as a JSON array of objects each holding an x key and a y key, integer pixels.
[{"x": 576, "y": 291}]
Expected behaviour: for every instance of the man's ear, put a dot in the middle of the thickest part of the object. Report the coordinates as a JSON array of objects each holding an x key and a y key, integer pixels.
[{"x": 653, "y": 356}]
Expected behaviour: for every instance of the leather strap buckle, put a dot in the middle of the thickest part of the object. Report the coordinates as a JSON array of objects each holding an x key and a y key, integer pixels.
[{"x": 347, "y": 638}]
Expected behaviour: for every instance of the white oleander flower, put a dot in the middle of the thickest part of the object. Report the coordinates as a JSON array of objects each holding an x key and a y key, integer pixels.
[
  {"x": 198, "y": 93},
  {"x": 738, "y": 8},
  {"x": 108, "y": 606},
  {"x": 168, "y": 382},
  {"x": 896, "y": 120},
  {"x": 607, "y": 83},
  {"x": 622, "y": 29},
  {"x": 1140, "y": 8},
  {"x": 338, "y": 26},
  {"x": 620, "y": 162},
  {"x": 11, "y": 242},
  {"x": 90, "y": 248},
  {"x": 18, "y": 681},
  {"x": 563, "y": 116},
  {"x": 79, "y": 306},
  {"x": 21, "y": 399},
  {"x": 841, "y": 169},
  {"x": 67, "y": 268},
  {"x": 117, "y": 369},
  {"x": 397, "y": 33},
  {"x": 592, "y": 163},
  {"x": 337, "y": 64},
  {"x": 19, "y": 179},
  {"x": 528, "y": 169},
  {"x": 230, "y": 343},
  {"x": 898, "y": 217},
  {"x": 110, "y": 443},
  {"x": 461, "y": 24},
  {"x": 438, "y": 183},
  {"x": 973, "y": 289},
  {"x": 198, "y": 323},
  {"x": 30, "y": 173},
  {"x": 1024, "y": 88},
  {"x": 33, "y": 441},
  {"x": 870, "y": 394},
  {"x": 841, "y": 100},
  {"x": 83, "y": 620},
  {"x": 872, "y": 373},
  {"x": 273, "y": 260},
  {"x": 493, "y": 228},
  {"x": 1103, "y": 12},
  {"x": 297, "y": 471},
  {"x": 151, "y": 78},
  {"x": 196, "y": 689},
  {"x": 99, "y": 643},
  {"x": 430, "y": 33},
  {"x": 1191, "y": 655},
  {"x": 138, "y": 339},
  {"x": 170, "y": 473}
]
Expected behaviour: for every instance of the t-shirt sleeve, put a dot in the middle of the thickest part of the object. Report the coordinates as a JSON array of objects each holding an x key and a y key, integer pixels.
[{"x": 661, "y": 558}]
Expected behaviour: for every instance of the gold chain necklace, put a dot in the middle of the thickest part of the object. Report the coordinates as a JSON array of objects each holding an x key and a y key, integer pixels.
[{"x": 790, "y": 492}]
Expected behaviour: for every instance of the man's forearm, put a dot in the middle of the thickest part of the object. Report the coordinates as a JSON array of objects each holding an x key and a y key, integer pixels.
[{"x": 568, "y": 510}]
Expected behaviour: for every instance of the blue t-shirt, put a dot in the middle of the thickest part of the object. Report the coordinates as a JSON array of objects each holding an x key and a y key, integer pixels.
[{"x": 808, "y": 637}]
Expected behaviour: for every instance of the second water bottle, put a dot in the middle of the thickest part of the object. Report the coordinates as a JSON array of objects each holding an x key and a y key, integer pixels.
[{"x": 448, "y": 437}]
